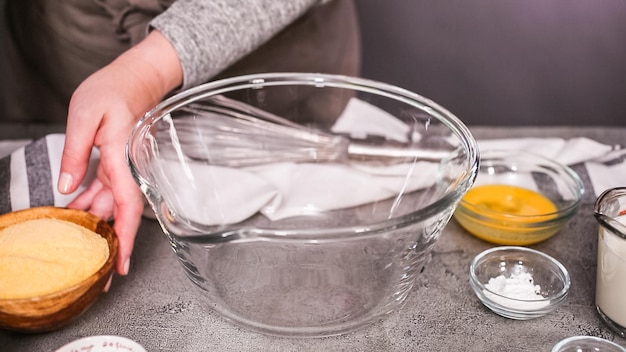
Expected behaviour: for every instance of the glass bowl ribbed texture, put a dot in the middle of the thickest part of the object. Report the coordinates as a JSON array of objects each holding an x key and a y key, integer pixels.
[{"x": 272, "y": 195}]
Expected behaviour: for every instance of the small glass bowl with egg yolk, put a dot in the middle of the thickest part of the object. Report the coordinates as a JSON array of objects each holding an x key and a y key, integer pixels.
[{"x": 519, "y": 198}]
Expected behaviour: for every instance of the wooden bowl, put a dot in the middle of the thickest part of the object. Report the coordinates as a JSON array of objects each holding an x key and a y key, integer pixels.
[{"x": 56, "y": 310}]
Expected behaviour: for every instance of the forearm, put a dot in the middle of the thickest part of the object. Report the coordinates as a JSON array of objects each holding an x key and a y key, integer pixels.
[
  {"x": 209, "y": 36},
  {"x": 155, "y": 66}
]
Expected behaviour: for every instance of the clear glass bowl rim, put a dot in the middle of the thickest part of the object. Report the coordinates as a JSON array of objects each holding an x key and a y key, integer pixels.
[{"x": 434, "y": 110}]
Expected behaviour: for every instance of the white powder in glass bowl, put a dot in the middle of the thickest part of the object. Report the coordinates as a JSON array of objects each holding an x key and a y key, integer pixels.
[{"x": 518, "y": 286}]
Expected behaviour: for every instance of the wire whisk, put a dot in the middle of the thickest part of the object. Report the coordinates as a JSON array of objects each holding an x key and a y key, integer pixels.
[{"x": 230, "y": 133}]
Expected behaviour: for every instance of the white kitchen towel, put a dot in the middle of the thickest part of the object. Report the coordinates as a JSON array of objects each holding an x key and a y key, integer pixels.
[
  {"x": 605, "y": 164},
  {"x": 608, "y": 171},
  {"x": 29, "y": 172},
  {"x": 214, "y": 195},
  {"x": 568, "y": 152},
  {"x": 28, "y": 175}
]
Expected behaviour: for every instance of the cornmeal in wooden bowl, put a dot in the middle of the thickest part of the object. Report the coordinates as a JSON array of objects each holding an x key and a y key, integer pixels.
[
  {"x": 43, "y": 256},
  {"x": 51, "y": 247}
]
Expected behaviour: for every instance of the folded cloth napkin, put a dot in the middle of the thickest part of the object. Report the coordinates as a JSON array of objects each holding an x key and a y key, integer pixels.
[
  {"x": 568, "y": 152},
  {"x": 608, "y": 171},
  {"x": 214, "y": 195},
  {"x": 605, "y": 164},
  {"x": 29, "y": 172}
]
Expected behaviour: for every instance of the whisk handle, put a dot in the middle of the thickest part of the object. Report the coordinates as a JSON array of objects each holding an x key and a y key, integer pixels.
[{"x": 358, "y": 150}]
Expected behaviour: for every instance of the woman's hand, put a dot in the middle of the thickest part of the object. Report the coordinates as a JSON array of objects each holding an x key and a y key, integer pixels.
[{"x": 102, "y": 112}]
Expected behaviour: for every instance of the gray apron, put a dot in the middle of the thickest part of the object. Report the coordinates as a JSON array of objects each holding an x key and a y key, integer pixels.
[{"x": 50, "y": 47}]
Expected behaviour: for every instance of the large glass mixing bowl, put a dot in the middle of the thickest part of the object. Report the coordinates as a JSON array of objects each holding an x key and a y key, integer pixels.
[{"x": 302, "y": 204}]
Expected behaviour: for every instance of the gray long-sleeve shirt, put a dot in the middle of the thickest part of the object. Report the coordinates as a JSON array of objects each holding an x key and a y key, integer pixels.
[
  {"x": 50, "y": 47},
  {"x": 208, "y": 36}
]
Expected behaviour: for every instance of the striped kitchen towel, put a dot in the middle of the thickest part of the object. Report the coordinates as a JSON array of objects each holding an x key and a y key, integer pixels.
[{"x": 29, "y": 171}]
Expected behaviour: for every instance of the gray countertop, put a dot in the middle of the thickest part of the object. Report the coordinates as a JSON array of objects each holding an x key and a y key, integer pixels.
[{"x": 156, "y": 305}]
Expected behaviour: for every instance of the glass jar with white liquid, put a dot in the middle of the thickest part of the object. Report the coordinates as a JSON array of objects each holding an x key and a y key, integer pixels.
[{"x": 610, "y": 211}]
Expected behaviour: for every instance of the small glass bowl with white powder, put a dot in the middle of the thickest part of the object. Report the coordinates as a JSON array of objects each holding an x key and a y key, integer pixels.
[{"x": 518, "y": 282}]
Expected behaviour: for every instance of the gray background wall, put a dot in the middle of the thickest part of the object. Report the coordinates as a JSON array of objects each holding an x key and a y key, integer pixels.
[{"x": 503, "y": 62}]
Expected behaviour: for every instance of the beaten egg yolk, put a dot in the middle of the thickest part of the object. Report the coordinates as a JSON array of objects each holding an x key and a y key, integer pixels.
[
  {"x": 498, "y": 203},
  {"x": 511, "y": 200}
]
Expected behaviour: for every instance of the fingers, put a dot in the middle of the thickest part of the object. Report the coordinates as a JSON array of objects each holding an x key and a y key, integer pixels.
[
  {"x": 114, "y": 193},
  {"x": 127, "y": 220},
  {"x": 97, "y": 199},
  {"x": 82, "y": 124},
  {"x": 102, "y": 112},
  {"x": 127, "y": 200},
  {"x": 83, "y": 200},
  {"x": 107, "y": 286},
  {"x": 74, "y": 164},
  {"x": 124, "y": 203},
  {"x": 117, "y": 197}
]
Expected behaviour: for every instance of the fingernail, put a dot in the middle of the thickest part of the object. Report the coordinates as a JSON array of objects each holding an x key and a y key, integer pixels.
[
  {"x": 108, "y": 285},
  {"x": 126, "y": 267},
  {"x": 65, "y": 182}
]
